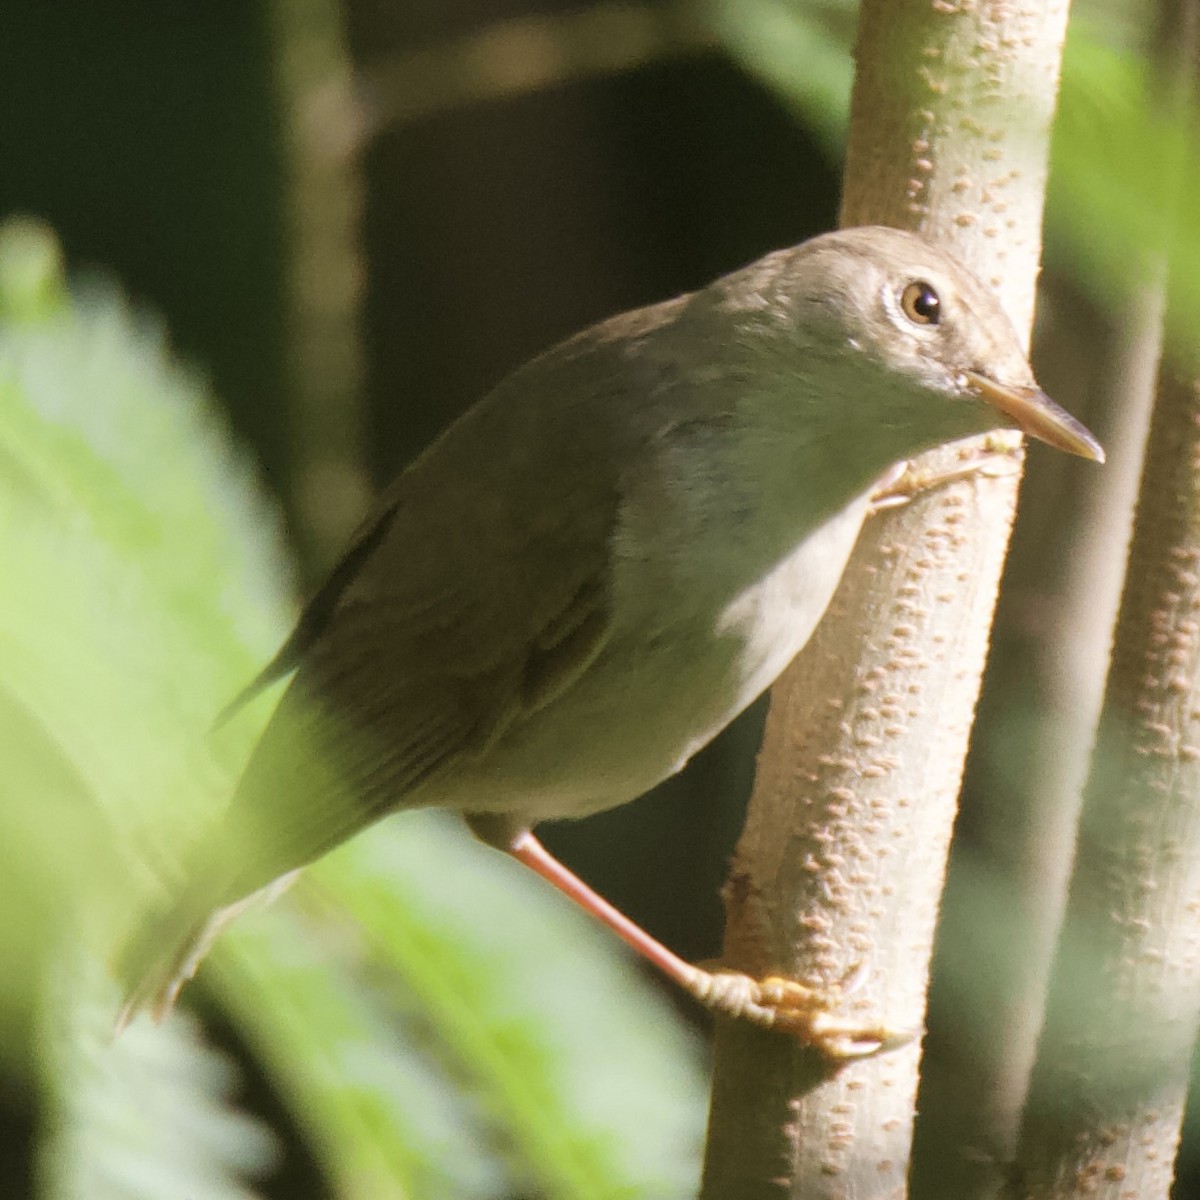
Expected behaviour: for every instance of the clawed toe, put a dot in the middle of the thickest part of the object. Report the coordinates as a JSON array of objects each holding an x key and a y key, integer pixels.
[
  {"x": 904, "y": 483},
  {"x": 805, "y": 1013}
]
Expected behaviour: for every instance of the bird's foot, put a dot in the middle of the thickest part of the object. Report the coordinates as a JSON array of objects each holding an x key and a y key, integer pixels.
[
  {"x": 806, "y": 1013},
  {"x": 907, "y": 480},
  {"x": 809, "y": 1014}
]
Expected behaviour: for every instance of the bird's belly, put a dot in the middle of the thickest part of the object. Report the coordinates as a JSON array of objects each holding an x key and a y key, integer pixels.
[{"x": 649, "y": 703}]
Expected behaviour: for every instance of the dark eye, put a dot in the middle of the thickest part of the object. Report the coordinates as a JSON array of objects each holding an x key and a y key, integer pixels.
[{"x": 921, "y": 304}]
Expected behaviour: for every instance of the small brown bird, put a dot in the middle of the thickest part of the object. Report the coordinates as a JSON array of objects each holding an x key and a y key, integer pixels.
[{"x": 600, "y": 565}]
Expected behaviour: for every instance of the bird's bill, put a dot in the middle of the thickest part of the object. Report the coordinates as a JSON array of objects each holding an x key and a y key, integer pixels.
[{"x": 1037, "y": 415}]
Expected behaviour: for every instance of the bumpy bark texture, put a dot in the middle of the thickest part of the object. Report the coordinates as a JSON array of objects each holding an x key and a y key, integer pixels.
[
  {"x": 1108, "y": 1090},
  {"x": 844, "y": 851}
]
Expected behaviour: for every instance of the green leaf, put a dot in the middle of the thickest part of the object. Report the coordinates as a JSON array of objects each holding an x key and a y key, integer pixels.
[
  {"x": 108, "y": 464},
  {"x": 31, "y": 283},
  {"x": 581, "y": 1070},
  {"x": 144, "y": 1118},
  {"x": 382, "y": 1116},
  {"x": 1125, "y": 171}
]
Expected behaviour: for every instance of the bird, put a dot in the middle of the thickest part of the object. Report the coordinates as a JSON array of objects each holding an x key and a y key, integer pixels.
[{"x": 597, "y": 567}]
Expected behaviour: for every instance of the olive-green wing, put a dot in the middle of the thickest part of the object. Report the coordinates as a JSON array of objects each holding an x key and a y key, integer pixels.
[{"x": 314, "y": 618}]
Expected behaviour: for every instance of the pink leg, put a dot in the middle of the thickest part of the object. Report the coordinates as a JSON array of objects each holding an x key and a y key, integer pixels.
[
  {"x": 773, "y": 1002},
  {"x": 528, "y": 850}
]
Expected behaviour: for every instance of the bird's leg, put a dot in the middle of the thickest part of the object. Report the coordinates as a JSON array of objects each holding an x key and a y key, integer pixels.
[
  {"x": 906, "y": 480},
  {"x": 808, "y": 1014}
]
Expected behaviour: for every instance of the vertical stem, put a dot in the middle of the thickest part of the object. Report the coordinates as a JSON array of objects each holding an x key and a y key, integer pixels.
[
  {"x": 1012, "y": 854},
  {"x": 1106, "y": 1100},
  {"x": 843, "y": 854},
  {"x": 324, "y": 129}
]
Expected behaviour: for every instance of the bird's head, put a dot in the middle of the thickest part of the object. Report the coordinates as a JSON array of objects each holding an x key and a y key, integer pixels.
[{"x": 886, "y": 305}]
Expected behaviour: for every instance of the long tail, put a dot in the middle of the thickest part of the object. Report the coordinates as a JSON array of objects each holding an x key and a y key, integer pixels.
[
  {"x": 311, "y": 783},
  {"x": 165, "y": 952}
]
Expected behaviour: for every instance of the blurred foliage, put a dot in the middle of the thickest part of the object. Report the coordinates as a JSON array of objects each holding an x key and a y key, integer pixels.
[
  {"x": 428, "y": 1047},
  {"x": 800, "y": 50},
  {"x": 148, "y": 1116},
  {"x": 1126, "y": 171}
]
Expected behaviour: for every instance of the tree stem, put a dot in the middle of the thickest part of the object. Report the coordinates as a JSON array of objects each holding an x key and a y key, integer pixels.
[{"x": 843, "y": 854}]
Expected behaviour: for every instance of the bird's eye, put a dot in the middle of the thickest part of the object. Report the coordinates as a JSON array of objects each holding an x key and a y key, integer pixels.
[{"x": 921, "y": 304}]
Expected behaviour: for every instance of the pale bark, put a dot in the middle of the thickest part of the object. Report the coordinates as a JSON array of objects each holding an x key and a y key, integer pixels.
[
  {"x": 1029, "y": 758},
  {"x": 1106, "y": 1101},
  {"x": 842, "y": 859},
  {"x": 1108, "y": 1091}
]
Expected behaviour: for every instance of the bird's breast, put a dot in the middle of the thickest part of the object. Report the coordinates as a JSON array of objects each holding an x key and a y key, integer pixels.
[
  {"x": 773, "y": 617},
  {"x": 676, "y": 670}
]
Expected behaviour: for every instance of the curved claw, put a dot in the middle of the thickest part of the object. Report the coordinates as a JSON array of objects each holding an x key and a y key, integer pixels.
[
  {"x": 805, "y": 1013},
  {"x": 904, "y": 483}
]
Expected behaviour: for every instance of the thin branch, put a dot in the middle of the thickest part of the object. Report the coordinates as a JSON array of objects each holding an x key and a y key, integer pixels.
[{"x": 526, "y": 54}]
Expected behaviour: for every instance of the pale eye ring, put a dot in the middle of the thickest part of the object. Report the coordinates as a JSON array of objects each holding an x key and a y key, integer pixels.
[{"x": 920, "y": 303}]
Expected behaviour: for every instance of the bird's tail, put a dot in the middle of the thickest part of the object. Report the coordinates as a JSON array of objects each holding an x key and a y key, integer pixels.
[
  {"x": 301, "y": 794},
  {"x": 164, "y": 952}
]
